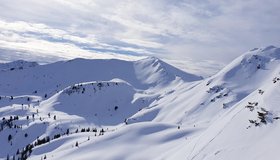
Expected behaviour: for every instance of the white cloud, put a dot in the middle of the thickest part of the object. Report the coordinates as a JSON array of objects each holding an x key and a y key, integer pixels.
[{"x": 198, "y": 29}]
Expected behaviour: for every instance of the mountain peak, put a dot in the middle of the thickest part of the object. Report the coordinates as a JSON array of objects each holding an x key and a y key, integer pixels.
[
  {"x": 162, "y": 70},
  {"x": 270, "y": 47},
  {"x": 17, "y": 65},
  {"x": 270, "y": 52}
]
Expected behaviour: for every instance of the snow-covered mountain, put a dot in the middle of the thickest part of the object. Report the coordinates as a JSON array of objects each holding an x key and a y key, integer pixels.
[{"x": 144, "y": 109}]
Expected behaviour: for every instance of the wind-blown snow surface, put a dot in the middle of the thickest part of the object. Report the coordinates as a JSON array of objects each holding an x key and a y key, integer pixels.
[{"x": 145, "y": 109}]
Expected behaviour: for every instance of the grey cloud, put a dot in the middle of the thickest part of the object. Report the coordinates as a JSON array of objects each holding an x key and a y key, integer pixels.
[{"x": 199, "y": 29}]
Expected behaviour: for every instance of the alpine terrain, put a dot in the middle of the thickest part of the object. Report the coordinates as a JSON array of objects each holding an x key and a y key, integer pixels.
[{"x": 113, "y": 109}]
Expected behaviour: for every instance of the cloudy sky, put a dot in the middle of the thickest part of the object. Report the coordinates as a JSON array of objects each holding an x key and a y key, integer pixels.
[{"x": 214, "y": 31}]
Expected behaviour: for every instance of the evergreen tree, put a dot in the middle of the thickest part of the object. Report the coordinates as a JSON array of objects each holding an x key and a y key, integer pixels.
[{"x": 10, "y": 137}]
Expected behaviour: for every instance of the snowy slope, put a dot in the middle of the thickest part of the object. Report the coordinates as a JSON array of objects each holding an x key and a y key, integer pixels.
[
  {"x": 237, "y": 131},
  {"x": 201, "y": 102},
  {"x": 249, "y": 135},
  {"x": 69, "y": 95},
  {"x": 145, "y": 109}
]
